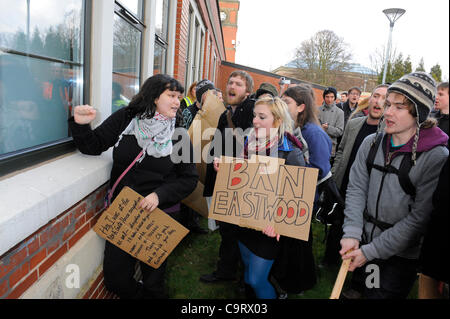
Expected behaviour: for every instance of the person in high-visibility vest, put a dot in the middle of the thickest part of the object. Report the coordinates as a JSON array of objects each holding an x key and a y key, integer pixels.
[{"x": 190, "y": 97}]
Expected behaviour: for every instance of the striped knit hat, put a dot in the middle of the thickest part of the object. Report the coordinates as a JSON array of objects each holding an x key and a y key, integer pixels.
[{"x": 419, "y": 88}]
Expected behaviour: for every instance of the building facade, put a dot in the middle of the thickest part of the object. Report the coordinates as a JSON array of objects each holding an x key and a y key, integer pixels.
[
  {"x": 229, "y": 10},
  {"x": 53, "y": 58}
]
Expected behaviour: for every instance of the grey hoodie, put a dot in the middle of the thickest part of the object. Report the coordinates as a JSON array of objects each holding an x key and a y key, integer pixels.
[{"x": 386, "y": 200}]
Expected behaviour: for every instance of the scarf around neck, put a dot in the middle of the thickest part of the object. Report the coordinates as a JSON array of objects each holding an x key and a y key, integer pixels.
[
  {"x": 260, "y": 146},
  {"x": 153, "y": 135}
]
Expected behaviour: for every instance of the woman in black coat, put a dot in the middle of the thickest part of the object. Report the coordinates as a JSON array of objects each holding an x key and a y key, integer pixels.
[{"x": 147, "y": 124}]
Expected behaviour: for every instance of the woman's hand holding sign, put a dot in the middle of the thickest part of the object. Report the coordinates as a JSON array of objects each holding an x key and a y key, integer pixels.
[{"x": 270, "y": 231}]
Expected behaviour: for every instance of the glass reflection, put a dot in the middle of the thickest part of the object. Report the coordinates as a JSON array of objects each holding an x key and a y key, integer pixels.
[
  {"x": 134, "y": 6},
  {"x": 36, "y": 99},
  {"x": 50, "y": 28},
  {"x": 126, "y": 63},
  {"x": 161, "y": 18}
]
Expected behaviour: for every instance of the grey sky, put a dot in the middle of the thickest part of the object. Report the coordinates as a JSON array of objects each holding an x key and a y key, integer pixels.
[{"x": 269, "y": 31}]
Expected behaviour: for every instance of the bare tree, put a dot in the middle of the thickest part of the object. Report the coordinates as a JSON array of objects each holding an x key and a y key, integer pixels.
[
  {"x": 321, "y": 56},
  {"x": 377, "y": 62}
]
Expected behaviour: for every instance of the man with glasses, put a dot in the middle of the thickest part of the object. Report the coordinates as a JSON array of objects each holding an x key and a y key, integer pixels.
[{"x": 351, "y": 104}]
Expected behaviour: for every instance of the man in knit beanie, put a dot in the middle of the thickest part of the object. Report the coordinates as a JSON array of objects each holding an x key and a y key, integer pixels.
[{"x": 389, "y": 195}]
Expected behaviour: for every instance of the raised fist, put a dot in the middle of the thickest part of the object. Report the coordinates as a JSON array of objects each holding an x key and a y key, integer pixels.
[{"x": 84, "y": 114}]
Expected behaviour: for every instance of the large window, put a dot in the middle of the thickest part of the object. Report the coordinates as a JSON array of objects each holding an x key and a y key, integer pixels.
[
  {"x": 41, "y": 72},
  {"x": 134, "y": 7},
  {"x": 128, "y": 28},
  {"x": 161, "y": 36}
]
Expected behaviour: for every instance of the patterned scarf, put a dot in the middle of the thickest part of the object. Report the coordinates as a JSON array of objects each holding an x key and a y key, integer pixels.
[
  {"x": 153, "y": 135},
  {"x": 260, "y": 146}
]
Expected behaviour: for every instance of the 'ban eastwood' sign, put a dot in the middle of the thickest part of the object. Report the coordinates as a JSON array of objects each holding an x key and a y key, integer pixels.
[{"x": 264, "y": 191}]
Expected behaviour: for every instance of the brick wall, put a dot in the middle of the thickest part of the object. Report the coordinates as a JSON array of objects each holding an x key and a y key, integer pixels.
[
  {"x": 97, "y": 289},
  {"x": 25, "y": 263},
  {"x": 181, "y": 40}
]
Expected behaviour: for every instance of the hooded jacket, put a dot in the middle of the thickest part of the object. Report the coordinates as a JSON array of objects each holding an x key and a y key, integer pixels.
[{"x": 383, "y": 197}]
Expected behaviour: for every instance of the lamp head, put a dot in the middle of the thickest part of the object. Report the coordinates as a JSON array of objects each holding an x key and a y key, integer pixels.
[{"x": 393, "y": 14}]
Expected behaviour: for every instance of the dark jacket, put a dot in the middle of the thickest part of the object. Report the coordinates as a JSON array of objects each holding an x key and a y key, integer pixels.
[
  {"x": 347, "y": 111},
  {"x": 442, "y": 121},
  {"x": 259, "y": 243},
  {"x": 189, "y": 114},
  {"x": 241, "y": 118},
  {"x": 435, "y": 255},
  {"x": 171, "y": 182}
]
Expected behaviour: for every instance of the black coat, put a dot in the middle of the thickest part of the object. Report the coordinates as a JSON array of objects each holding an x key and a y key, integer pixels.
[
  {"x": 241, "y": 118},
  {"x": 435, "y": 254},
  {"x": 170, "y": 181},
  {"x": 347, "y": 111}
]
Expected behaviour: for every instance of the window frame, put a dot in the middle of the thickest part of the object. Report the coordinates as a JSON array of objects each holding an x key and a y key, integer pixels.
[
  {"x": 25, "y": 158},
  {"x": 122, "y": 12}
]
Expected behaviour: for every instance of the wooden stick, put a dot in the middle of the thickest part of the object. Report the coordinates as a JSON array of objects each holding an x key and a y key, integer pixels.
[{"x": 340, "y": 279}]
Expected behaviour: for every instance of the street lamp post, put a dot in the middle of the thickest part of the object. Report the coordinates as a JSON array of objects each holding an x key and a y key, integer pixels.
[{"x": 393, "y": 15}]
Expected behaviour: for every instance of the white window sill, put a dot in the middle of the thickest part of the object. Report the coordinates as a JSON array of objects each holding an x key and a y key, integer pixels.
[{"x": 31, "y": 199}]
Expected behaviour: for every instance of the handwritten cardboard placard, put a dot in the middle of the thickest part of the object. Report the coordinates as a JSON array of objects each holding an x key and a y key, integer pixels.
[
  {"x": 264, "y": 191},
  {"x": 149, "y": 237}
]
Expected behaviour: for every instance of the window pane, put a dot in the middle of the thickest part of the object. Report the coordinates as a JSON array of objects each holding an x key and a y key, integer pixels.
[
  {"x": 50, "y": 28},
  {"x": 126, "y": 62},
  {"x": 160, "y": 59},
  {"x": 162, "y": 17},
  {"x": 36, "y": 98},
  {"x": 134, "y": 6}
]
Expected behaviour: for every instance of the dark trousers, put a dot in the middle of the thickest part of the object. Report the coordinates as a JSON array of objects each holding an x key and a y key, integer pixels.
[
  {"x": 333, "y": 245},
  {"x": 397, "y": 277},
  {"x": 119, "y": 269},
  {"x": 229, "y": 254}
]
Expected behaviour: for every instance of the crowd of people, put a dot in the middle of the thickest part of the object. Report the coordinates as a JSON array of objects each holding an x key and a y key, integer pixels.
[{"x": 388, "y": 159}]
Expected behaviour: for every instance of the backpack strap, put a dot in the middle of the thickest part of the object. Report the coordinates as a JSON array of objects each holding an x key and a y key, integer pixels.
[
  {"x": 402, "y": 172},
  {"x": 372, "y": 152},
  {"x": 403, "y": 175}
]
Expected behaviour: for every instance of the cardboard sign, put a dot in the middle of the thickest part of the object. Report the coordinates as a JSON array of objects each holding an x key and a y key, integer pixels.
[
  {"x": 147, "y": 236},
  {"x": 264, "y": 191},
  {"x": 205, "y": 122},
  {"x": 206, "y": 119}
]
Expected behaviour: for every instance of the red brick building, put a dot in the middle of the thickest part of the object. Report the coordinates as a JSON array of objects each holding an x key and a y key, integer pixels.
[{"x": 50, "y": 194}]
